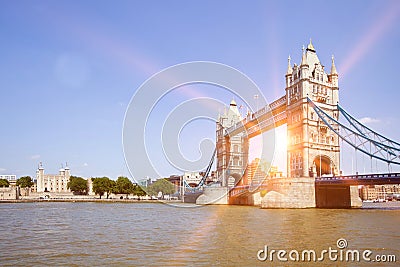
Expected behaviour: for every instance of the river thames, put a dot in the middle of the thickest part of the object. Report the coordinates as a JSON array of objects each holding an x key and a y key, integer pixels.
[{"x": 155, "y": 234}]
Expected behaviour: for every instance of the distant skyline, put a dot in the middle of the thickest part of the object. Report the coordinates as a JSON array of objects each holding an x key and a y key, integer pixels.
[{"x": 68, "y": 69}]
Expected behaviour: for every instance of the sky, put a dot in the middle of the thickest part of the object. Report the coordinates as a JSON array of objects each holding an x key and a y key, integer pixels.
[{"x": 68, "y": 69}]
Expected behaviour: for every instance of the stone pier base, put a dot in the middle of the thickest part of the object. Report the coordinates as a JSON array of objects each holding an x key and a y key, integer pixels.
[
  {"x": 289, "y": 193},
  {"x": 337, "y": 196},
  {"x": 213, "y": 196},
  {"x": 355, "y": 199}
]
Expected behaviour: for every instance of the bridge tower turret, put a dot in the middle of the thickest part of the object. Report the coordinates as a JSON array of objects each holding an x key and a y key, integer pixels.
[
  {"x": 313, "y": 149},
  {"x": 232, "y": 152}
]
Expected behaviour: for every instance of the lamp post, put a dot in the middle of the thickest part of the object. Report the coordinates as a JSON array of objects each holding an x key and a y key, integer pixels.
[{"x": 256, "y": 98}]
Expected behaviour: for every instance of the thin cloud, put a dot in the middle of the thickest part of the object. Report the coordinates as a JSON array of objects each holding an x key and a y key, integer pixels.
[
  {"x": 35, "y": 156},
  {"x": 369, "y": 120},
  {"x": 85, "y": 164},
  {"x": 2, "y": 169}
]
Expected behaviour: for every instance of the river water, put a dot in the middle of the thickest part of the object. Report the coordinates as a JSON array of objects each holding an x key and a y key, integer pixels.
[{"x": 155, "y": 234}]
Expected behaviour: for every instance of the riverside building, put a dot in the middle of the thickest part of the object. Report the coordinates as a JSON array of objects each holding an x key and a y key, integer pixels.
[{"x": 56, "y": 183}]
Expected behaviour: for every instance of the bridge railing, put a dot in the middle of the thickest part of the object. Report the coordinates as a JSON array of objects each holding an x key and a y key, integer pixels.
[
  {"x": 256, "y": 115},
  {"x": 261, "y": 125},
  {"x": 278, "y": 103},
  {"x": 265, "y": 124},
  {"x": 359, "y": 177}
]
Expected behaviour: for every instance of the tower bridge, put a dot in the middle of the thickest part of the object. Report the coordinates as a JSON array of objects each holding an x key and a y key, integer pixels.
[{"x": 310, "y": 109}]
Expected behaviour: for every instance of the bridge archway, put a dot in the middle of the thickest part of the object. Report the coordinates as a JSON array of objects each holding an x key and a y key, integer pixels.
[
  {"x": 322, "y": 164},
  {"x": 234, "y": 179}
]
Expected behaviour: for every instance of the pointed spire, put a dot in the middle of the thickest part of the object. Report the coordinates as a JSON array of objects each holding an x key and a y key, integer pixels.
[
  {"x": 303, "y": 58},
  {"x": 289, "y": 68},
  {"x": 310, "y": 47},
  {"x": 233, "y": 102},
  {"x": 333, "y": 68}
]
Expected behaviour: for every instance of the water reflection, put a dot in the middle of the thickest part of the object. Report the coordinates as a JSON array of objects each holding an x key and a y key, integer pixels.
[{"x": 142, "y": 234}]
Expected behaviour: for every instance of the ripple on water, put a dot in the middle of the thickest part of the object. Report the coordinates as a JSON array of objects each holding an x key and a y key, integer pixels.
[{"x": 120, "y": 234}]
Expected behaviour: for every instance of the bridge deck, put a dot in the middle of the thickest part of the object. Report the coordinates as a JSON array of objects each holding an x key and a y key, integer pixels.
[
  {"x": 267, "y": 118},
  {"x": 359, "y": 179}
]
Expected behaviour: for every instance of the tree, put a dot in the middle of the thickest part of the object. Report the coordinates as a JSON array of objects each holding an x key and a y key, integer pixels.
[
  {"x": 161, "y": 185},
  {"x": 103, "y": 185},
  {"x": 123, "y": 186},
  {"x": 138, "y": 191},
  {"x": 78, "y": 185},
  {"x": 25, "y": 182},
  {"x": 4, "y": 183}
]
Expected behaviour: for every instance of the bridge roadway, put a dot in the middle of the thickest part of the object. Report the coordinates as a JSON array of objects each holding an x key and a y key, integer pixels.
[
  {"x": 358, "y": 179},
  {"x": 264, "y": 119}
]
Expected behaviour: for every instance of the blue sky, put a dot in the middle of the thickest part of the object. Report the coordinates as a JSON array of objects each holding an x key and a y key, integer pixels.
[{"x": 68, "y": 69}]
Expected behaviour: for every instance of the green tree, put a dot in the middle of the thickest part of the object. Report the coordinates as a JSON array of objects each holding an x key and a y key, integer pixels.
[
  {"x": 4, "y": 183},
  {"x": 25, "y": 182},
  {"x": 161, "y": 185},
  {"x": 103, "y": 185},
  {"x": 123, "y": 186},
  {"x": 78, "y": 185},
  {"x": 138, "y": 191}
]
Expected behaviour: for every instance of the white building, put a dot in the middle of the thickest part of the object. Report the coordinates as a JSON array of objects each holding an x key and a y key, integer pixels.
[
  {"x": 56, "y": 183},
  {"x": 192, "y": 178},
  {"x": 9, "y": 177}
]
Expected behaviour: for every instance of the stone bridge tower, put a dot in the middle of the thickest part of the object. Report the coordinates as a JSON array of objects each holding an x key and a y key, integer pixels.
[
  {"x": 313, "y": 149},
  {"x": 232, "y": 151}
]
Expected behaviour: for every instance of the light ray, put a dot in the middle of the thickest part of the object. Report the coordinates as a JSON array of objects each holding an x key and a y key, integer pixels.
[{"x": 380, "y": 26}]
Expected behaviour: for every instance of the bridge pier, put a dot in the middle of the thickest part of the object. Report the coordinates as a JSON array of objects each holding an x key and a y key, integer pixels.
[
  {"x": 246, "y": 200},
  {"x": 337, "y": 196},
  {"x": 355, "y": 200},
  {"x": 213, "y": 196},
  {"x": 289, "y": 192}
]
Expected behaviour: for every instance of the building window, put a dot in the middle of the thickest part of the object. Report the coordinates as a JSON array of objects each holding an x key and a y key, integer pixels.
[{"x": 235, "y": 148}]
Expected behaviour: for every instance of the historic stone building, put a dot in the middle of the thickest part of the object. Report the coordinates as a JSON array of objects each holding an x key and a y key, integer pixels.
[
  {"x": 56, "y": 183},
  {"x": 313, "y": 149},
  {"x": 9, "y": 193}
]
